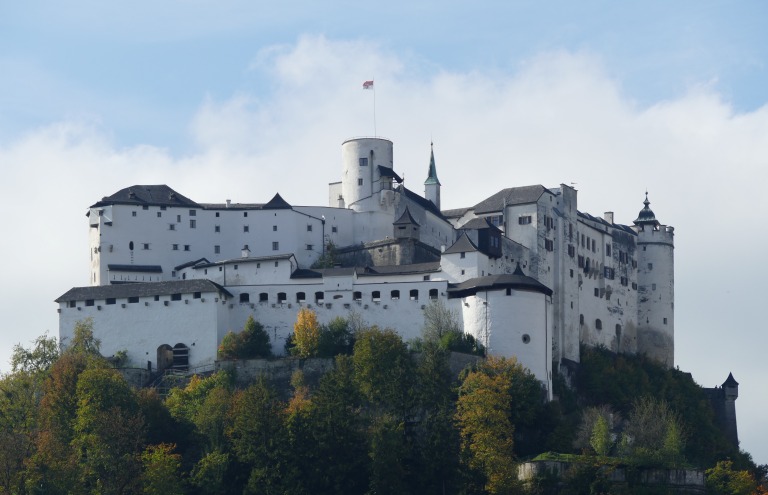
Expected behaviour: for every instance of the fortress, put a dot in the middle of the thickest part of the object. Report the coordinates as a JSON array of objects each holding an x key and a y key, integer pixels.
[{"x": 526, "y": 272}]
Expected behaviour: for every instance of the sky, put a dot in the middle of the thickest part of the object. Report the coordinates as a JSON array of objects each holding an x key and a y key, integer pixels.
[{"x": 239, "y": 100}]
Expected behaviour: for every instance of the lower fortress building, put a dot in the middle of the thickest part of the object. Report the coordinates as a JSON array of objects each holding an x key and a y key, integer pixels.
[{"x": 526, "y": 273}]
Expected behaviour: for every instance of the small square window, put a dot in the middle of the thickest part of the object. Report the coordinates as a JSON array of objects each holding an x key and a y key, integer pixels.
[
  {"x": 274, "y": 228},
  {"x": 171, "y": 226},
  {"x": 310, "y": 247},
  {"x": 145, "y": 246},
  {"x": 217, "y": 249},
  {"x": 277, "y": 263},
  {"x": 217, "y": 228},
  {"x": 175, "y": 247},
  {"x": 193, "y": 224},
  {"x": 334, "y": 229},
  {"x": 133, "y": 213},
  {"x": 246, "y": 228},
  {"x": 309, "y": 228},
  {"x": 217, "y": 214},
  {"x": 463, "y": 255},
  {"x": 145, "y": 207},
  {"x": 359, "y": 182},
  {"x": 159, "y": 214},
  {"x": 245, "y": 213},
  {"x": 364, "y": 162},
  {"x": 275, "y": 246},
  {"x": 186, "y": 247},
  {"x": 192, "y": 213}
]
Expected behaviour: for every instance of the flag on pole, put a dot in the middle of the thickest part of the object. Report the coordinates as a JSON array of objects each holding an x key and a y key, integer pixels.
[{"x": 368, "y": 85}]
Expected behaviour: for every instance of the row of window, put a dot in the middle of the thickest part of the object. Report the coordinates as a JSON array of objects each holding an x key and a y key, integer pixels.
[
  {"x": 131, "y": 300},
  {"x": 319, "y": 297}
]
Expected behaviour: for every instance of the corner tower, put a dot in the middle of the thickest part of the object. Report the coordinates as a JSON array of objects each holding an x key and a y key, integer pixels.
[
  {"x": 432, "y": 184},
  {"x": 656, "y": 287}
]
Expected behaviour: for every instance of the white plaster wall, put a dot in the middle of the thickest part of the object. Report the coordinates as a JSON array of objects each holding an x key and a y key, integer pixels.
[
  {"x": 378, "y": 152},
  {"x": 140, "y": 328},
  {"x": 500, "y": 322},
  {"x": 656, "y": 286}
]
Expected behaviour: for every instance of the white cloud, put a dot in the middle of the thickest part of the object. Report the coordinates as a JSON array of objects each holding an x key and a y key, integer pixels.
[{"x": 559, "y": 117}]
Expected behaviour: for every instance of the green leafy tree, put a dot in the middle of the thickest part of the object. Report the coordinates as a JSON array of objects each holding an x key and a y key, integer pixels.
[
  {"x": 383, "y": 368},
  {"x": 441, "y": 327},
  {"x": 306, "y": 334},
  {"x": 600, "y": 440},
  {"x": 209, "y": 475},
  {"x": 39, "y": 358},
  {"x": 83, "y": 340},
  {"x": 654, "y": 431},
  {"x": 19, "y": 400},
  {"x": 161, "y": 470},
  {"x": 723, "y": 479},
  {"x": 389, "y": 454},
  {"x": 252, "y": 342},
  {"x": 336, "y": 338},
  {"x": 108, "y": 433},
  {"x": 258, "y": 437}
]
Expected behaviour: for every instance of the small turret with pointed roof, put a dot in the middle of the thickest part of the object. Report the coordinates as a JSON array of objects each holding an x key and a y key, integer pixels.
[
  {"x": 432, "y": 184},
  {"x": 646, "y": 215}
]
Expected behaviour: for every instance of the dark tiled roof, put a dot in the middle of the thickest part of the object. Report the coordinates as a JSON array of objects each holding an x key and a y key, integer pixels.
[
  {"x": 478, "y": 224},
  {"x": 406, "y": 219},
  {"x": 276, "y": 203},
  {"x": 455, "y": 213},
  {"x": 646, "y": 215},
  {"x": 429, "y": 267},
  {"x": 511, "y": 196},
  {"x": 463, "y": 245},
  {"x": 306, "y": 273},
  {"x": 424, "y": 203},
  {"x": 497, "y": 282},
  {"x": 157, "y": 195},
  {"x": 143, "y": 289},
  {"x": 232, "y": 206},
  {"x": 136, "y": 268},
  {"x": 250, "y": 259},
  {"x": 191, "y": 263},
  {"x": 730, "y": 381},
  {"x": 388, "y": 172},
  {"x": 602, "y": 221}
]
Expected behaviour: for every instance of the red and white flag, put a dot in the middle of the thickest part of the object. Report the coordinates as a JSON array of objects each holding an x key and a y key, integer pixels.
[{"x": 368, "y": 85}]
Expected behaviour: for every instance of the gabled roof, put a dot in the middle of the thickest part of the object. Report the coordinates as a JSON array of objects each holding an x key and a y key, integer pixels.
[
  {"x": 516, "y": 281},
  {"x": 199, "y": 261},
  {"x": 423, "y": 202},
  {"x": 247, "y": 259},
  {"x": 463, "y": 245},
  {"x": 455, "y": 213},
  {"x": 276, "y": 203},
  {"x": 511, "y": 196},
  {"x": 136, "y": 268},
  {"x": 406, "y": 219},
  {"x": 142, "y": 289},
  {"x": 388, "y": 172},
  {"x": 152, "y": 195},
  {"x": 479, "y": 224}
]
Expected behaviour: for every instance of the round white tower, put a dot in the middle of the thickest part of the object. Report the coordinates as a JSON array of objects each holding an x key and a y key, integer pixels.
[
  {"x": 361, "y": 177},
  {"x": 656, "y": 287}
]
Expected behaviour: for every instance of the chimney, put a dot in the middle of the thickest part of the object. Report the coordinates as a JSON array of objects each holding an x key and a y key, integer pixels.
[
  {"x": 246, "y": 252},
  {"x": 229, "y": 203},
  {"x": 608, "y": 216}
]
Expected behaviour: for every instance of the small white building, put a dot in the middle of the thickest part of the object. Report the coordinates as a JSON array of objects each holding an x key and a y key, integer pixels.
[{"x": 526, "y": 273}]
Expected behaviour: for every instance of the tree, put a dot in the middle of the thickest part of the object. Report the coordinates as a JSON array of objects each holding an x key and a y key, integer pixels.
[
  {"x": 161, "y": 470},
  {"x": 654, "y": 432},
  {"x": 39, "y": 358},
  {"x": 252, "y": 342},
  {"x": 383, "y": 368},
  {"x": 483, "y": 415},
  {"x": 83, "y": 341},
  {"x": 442, "y": 328},
  {"x": 724, "y": 480},
  {"x": 600, "y": 440},
  {"x": 306, "y": 333},
  {"x": 336, "y": 338}
]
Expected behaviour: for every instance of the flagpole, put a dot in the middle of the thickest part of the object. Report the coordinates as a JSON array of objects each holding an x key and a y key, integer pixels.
[{"x": 374, "y": 107}]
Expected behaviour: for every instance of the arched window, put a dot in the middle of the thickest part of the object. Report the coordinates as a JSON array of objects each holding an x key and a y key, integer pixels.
[
  {"x": 376, "y": 295},
  {"x": 300, "y": 297},
  {"x": 414, "y": 294},
  {"x": 263, "y": 297},
  {"x": 245, "y": 297},
  {"x": 319, "y": 297},
  {"x": 281, "y": 297},
  {"x": 357, "y": 296},
  {"x": 598, "y": 324},
  {"x": 395, "y": 294},
  {"x": 433, "y": 294},
  {"x": 130, "y": 245}
]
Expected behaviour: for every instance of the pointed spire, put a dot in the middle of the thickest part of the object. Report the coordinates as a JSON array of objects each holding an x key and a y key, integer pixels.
[{"x": 432, "y": 175}]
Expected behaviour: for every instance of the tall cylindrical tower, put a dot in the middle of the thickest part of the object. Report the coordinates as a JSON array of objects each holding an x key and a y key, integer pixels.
[
  {"x": 656, "y": 287},
  {"x": 360, "y": 159}
]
